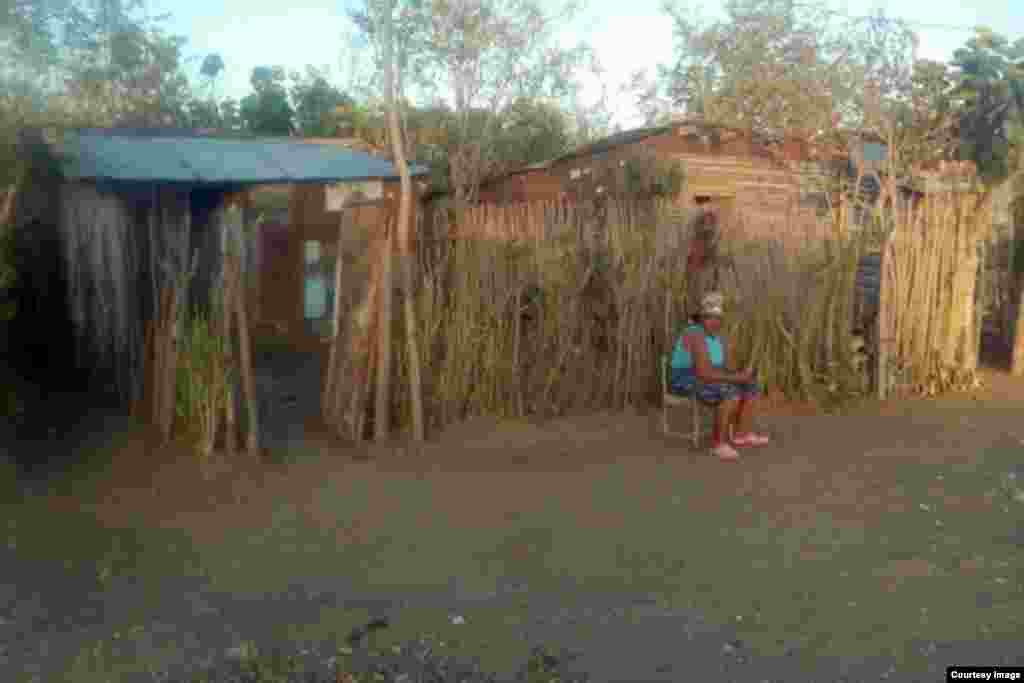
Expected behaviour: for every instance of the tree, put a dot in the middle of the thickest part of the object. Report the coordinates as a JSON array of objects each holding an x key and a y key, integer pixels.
[
  {"x": 123, "y": 70},
  {"x": 211, "y": 69},
  {"x": 230, "y": 117},
  {"x": 991, "y": 80},
  {"x": 31, "y": 35},
  {"x": 267, "y": 109},
  {"x": 316, "y": 102},
  {"x": 204, "y": 113},
  {"x": 923, "y": 127},
  {"x": 773, "y": 64},
  {"x": 483, "y": 55},
  {"x": 646, "y": 93},
  {"x": 404, "y": 238},
  {"x": 531, "y": 131}
]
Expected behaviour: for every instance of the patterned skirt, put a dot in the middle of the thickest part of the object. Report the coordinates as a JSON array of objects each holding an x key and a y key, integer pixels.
[{"x": 685, "y": 384}]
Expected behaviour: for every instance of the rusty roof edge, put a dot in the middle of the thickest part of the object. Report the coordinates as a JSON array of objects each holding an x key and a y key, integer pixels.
[{"x": 636, "y": 135}]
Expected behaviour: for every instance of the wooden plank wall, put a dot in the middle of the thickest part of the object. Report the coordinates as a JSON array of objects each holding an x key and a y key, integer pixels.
[{"x": 284, "y": 271}]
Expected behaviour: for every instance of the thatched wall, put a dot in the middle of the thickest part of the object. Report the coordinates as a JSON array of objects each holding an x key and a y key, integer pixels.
[{"x": 121, "y": 246}]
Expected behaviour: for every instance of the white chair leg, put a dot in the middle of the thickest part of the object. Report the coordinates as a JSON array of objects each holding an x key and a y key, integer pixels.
[{"x": 695, "y": 419}]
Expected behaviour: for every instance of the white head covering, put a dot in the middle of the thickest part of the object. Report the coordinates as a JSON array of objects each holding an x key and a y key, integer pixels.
[{"x": 712, "y": 304}]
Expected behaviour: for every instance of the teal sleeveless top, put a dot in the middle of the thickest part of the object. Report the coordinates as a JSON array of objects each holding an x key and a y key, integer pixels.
[{"x": 683, "y": 359}]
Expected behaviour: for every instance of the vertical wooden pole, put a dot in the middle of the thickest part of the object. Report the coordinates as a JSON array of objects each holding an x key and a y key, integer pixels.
[
  {"x": 230, "y": 365},
  {"x": 168, "y": 383},
  {"x": 882, "y": 327},
  {"x": 403, "y": 228},
  {"x": 362, "y": 325},
  {"x": 1015, "y": 316},
  {"x": 245, "y": 356},
  {"x": 1017, "y": 332},
  {"x": 330, "y": 399},
  {"x": 1009, "y": 305},
  {"x": 382, "y": 406}
]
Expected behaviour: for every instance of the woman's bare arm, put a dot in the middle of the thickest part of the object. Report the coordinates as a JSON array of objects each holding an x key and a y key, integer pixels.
[{"x": 702, "y": 366}]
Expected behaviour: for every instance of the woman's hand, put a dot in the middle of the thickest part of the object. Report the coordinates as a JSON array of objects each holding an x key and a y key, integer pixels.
[{"x": 745, "y": 377}]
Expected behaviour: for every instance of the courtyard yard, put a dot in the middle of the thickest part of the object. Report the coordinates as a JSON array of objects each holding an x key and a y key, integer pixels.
[{"x": 884, "y": 543}]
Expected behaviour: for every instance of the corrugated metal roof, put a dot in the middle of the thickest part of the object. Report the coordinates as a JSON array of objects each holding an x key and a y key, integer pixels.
[
  {"x": 190, "y": 158},
  {"x": 626, "y": 137}
]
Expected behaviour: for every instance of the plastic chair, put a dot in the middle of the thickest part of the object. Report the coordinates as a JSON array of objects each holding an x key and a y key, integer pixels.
[{"x": 670, "y": 400}]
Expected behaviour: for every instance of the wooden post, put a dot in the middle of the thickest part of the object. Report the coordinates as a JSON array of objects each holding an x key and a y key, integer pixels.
[
  {"x": 362, "y": 349},
  {"x": 245, "y": 356},
  {"x": 403, "y": 231},
  {"x": 1009, "y": 307},
  {"x": 1015, "y": 318},
  {"x": 230, "y": 426},
  {"x": 1017, "y": 331},
  {"x": 382, "y": 405},
  {"x": 166, "y": 386},
  {"x": 882, "y": 327},
  {"x": 330, "y": 399}
]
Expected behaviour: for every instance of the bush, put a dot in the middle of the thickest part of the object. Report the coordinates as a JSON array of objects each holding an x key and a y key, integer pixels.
[
  {"x": 653, "y": 177},
  {"x": 203, "y": 382}
]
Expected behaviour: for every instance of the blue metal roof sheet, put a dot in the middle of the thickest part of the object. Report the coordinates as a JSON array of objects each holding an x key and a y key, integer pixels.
[{"x": 197, "y": 159}]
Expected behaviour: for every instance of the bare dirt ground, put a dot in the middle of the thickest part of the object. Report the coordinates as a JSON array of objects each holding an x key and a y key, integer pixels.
[{"x": 886, "y": 543}]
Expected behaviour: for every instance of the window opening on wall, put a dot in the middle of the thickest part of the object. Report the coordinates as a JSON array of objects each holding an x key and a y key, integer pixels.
[
  {"x": 874, "y": 151},
  {"x": 318, "y": 289}
]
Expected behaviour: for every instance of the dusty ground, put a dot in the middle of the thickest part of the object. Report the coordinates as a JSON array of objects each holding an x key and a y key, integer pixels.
[{"x": 885, "y": 543}]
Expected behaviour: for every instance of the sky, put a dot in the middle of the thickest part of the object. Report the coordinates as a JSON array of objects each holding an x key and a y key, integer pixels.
[{"x": 626, "y": 35}]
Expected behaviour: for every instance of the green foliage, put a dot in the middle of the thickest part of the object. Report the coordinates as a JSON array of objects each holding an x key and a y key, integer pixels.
[
  {"x": 202, "y": 386},
  {"x": 316, "y": 102},
  {"x": 267, "y": 110},
  {"x": 32, "y": 30},
  {"x": 779, "y": 65},
  {"x": 991, "y": 83},
  {"x": 230, "y": 117},
  {"x": 204, "y": 114},
  {"x": 8, "y": 275},
  {"x": 653, "y": 177},
  {"x": 483, "y": 56},
  {"x": 532, "y": 131},
  {"x": 130, "y": 73},
  {"x": 213, "y": 66}
]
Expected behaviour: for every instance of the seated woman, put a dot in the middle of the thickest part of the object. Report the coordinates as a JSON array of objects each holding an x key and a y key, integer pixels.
[{"x": 698, "y": 369}]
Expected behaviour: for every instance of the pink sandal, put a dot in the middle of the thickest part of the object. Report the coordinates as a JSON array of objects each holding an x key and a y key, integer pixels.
[
  {"x": 750, "y": 439},
  {"x": 724, "y": 451}
]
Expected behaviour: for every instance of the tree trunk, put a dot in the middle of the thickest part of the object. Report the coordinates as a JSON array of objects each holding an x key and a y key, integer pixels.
[
  {"x": 1009, "y": 307},
  {"x": 331, "y": 394},
  {"x": 7, "y": 208},
  {"x": 245, "y": 357},
  {"x": 361, "y": 338},
  {"x": 382, "y": 406},
  {"x": 883, "y": 329},
  {"x": 1017, "y": 352},
  {"x": 230, "y": 426},
  {"x": 403, "y": 230},
  {"x": 166, "y": 386}
]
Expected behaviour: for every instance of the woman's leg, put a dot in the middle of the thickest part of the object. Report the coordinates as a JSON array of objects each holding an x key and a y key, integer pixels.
[
  {"x": 743, "y": 416},
  {"x": 743, "y": 434},
  {"x": 723, "y": 417},
  {"x": 724, "y": 398}
]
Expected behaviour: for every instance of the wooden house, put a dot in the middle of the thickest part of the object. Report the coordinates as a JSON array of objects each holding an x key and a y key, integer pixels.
[
  {"x": 296, "y": 288},
  {"x": 529, "y": 183},
  {"x": 758, "y": 178},
  {"x": 112, "y": 218}
]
